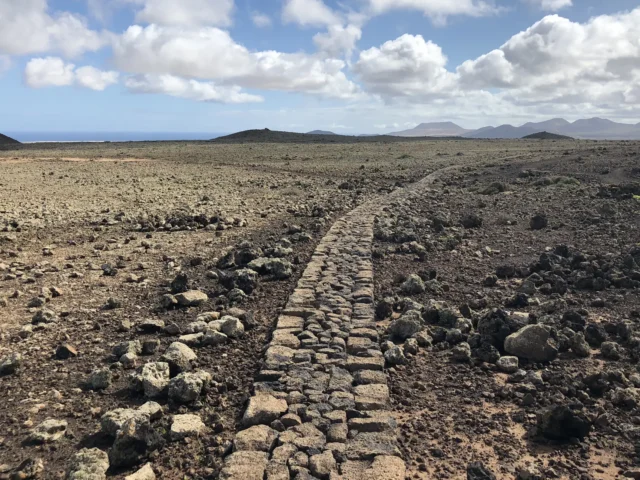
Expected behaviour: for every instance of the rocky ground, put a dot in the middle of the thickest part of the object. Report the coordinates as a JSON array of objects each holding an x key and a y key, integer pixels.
[{"x": 199, "y": 309}]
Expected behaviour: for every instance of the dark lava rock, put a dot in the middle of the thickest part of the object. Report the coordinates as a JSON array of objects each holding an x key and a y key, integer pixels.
[
  {"x": 595, "y": 335},
  {"x": 384, "y": 308},
  {"x": 66, "y": 351},
  {"x": 561, "y": 423},
  {"x": 471, "y": 220},
  {"x": 180, "y": 284},
  {"x": 539, "y": 221},
  {"x": 477, "y": 471},
  {"x": 505, "y": 271},
  {"x": 497, "y": 325}
]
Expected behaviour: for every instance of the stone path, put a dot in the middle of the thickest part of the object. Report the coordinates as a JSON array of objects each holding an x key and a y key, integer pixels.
[{"x": 320, "y": 402}]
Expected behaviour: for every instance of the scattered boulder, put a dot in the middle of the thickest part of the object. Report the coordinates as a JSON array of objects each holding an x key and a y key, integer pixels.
[
  {"x": 191, "y": 298},
  {"x": 395, "y": 356},
  {"x": 232, "y": 327},
  {"x": 154, "y": 379},
  {"x": 87, "y": 464},
  {"x": 66, "y": 351},
  {"x": 611, "y": 350},
  {"x": 187, "y": 425},
  {"x": 471, "y": 220},
  {"x": 539, "y": 222},
  {"x": 477, "y": 471},
  {"x": 10, "y": 364},
  {"x": 100, "y": 379},
  {"x": 134, "y": 441},
  {"x": 179, "y": 357},
  {"x": 413, "y": 285},
  {"x": 561, "y": 423},
  {"x": 145, "y": 473},
  {"x": 49, "y": 431},
  {"x": 187, "y": 387},
  {"x": 461, "y": 352},
  {"x": 508, "y": 364},
  {"x": 531, "y": 343},
  {"x": 406, "y": 326}
]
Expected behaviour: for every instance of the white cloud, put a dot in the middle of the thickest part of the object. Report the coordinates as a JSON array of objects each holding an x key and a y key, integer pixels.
[
  {"x": 550, "y": 5},
  {"x": 54, "y": 72},
  {"x": 408, "y": 66},
  {"x": 306, "y": 13},
  {"x": 91, "y": 77},
  {"x": 560, "y": 61},
  {"x": 211, "y": 54},
  {"x": 27, "y": 28},
  {"x": 189, "y": 89},
  {"x": 185, "y": 12},
  {"x": 261, "y": 20},
  {"x": 438, "y": 10},
  {"x": 338, "y": 40},
  {"x": 48, "y": 72}
]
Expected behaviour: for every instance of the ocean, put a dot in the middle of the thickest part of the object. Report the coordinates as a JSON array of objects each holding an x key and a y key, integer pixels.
[{"x": 34, "y": 137}]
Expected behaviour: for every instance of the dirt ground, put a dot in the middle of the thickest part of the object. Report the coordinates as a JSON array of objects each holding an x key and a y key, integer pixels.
[{"x": 96, "y": 233}]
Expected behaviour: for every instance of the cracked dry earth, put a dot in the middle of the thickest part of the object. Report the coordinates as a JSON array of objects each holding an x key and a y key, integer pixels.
[{"x": 225, "y": 311}]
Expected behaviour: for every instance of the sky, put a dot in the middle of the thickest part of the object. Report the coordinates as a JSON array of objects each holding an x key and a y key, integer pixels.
[{"x": 350, "y": 66}]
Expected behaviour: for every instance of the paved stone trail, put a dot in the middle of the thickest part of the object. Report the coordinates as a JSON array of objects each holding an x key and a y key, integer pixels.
[{"x": 320, "y": 401}]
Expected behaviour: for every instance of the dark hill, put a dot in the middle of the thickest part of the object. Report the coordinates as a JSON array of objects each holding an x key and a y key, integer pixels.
[
  {"x": 272, "y": 136},
  {"x": 4, "y": 140},
  {"x": 547, "y": 136}
]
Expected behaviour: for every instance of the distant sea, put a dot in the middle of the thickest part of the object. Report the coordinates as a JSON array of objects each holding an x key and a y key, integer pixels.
[{"x": 33, "y": 137}]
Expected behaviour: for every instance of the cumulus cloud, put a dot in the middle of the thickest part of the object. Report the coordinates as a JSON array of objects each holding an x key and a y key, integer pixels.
[
  {"x": 438, "y": 10},
  {"x": 261, "y": 20},
  {"x": 54, "y": 72},
  {"x": 28, "y": 28},
  {"x": 185, "y": 12},
  {"x": 338, "y": 40},
  {"x": 189, "y": 89},
  {"x": 408, "y": 66},
  {"x": 557, "y": 60},
  {"x": 309, "y": 13},
  {"x": 550, "y": 5},
  {"x": 211, "y": 54}
]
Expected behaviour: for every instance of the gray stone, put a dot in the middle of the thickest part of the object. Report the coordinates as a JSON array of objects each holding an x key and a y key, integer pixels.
[
  {"x": 531, "y": 343},
  {"x": 263, "y": 409},
  {"x": 413, "y": 285},
  {"x": 145, "y": 473},
  {"x": 179, "y": 357},
  {"x": 323, "y": 465},
  {"x": 508, "y": 364},
  {"x": 184, "y": 426},
  {"x": 10, "y": 364},
  {"x": 154, "y": 378},
  {"x": 579, "y": 345},
  {"x": 100, "y": 379},
  {"x": 88, "y": 464},
  {"x": 124, "y": 348},
  {"x": 49, "y": 431},
  {"x": 406, "y": 326},
  {"x": 214, "y": 338},
  {"x": 113, "y": 420},
  {"x": 395, "y": 356},
  {"x": 191, "y": 298},
  {"x": 244, "y": 465},
  {"x": 194, "y": 340},
  {"x": 232, "y": 327},
  {"x": 187, "y": 387},
  {"x": 134, "y": 441},
  {"x": 461, "y": 352},
  {"x": 259, "y": 438},
  {"x": 611, "y": 350}
]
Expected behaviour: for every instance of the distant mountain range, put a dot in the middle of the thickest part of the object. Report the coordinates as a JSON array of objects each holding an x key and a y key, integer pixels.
[
  {"x": 437, "y": 129},
  {"x": 320, "y": 132},
  {"x": 593, "y": 128}
]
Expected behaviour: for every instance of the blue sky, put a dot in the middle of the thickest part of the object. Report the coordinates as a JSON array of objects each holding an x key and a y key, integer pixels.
[{"x": 352, "y": 66}]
